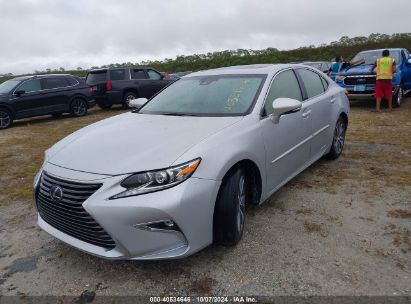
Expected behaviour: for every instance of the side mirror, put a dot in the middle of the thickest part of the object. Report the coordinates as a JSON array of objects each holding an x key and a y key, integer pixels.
[
  {"x": 282, "y": 106},
  {"x": 409, "y": 60},
  {"x": 19, "y": 93},
  {"x": 138, "y": 103}
]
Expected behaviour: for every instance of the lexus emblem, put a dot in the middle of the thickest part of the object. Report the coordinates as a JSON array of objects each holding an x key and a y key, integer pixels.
[{"x": 56, "y": 193}]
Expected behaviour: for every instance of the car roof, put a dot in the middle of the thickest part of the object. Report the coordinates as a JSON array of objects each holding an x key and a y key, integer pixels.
[
  {"x": 116, "y": 68},
  {"x": 244, "y": 69},
  {"x": 41, "y": 76}
]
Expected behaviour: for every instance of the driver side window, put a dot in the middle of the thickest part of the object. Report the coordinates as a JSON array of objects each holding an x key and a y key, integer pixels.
[
  {"x": 285, "y": 84},
  {"x": 31, "y": 85}
]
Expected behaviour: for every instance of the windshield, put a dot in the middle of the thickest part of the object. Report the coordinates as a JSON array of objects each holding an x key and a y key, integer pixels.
[
  {"x": 96, "y": 76},
  {"x": 371, "y": 57},
  {"x": 221, "y": 95},
  {"x": 8, "y": 85}
]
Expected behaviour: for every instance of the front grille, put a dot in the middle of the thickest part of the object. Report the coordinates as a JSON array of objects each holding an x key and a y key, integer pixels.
[
  {"x": 68, "y": 214},
  {"x": 359, "y": 80}
]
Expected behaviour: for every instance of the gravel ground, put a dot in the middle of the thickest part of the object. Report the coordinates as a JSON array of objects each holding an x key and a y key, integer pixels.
[{"x": 340, "y": 228}]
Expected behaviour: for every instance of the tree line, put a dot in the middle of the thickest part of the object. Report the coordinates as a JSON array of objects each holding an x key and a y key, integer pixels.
[{"x": 345, "y": 46}]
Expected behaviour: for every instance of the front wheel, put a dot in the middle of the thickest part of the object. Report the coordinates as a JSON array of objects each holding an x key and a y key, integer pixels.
[
  {"x": 129, "y": 96},
  {"x": 338, "y": 139},
  {"x": 5, "y": 119},
  {"x": 397, "y": 98},
  {"x": 78, "y": 107},
  {"x": 229, "y": 213}
]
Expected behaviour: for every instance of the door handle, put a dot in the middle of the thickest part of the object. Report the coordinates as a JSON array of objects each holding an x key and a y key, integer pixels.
[
  {"x": 333, "y": 99},
  {"x": 306, "y": 114}
]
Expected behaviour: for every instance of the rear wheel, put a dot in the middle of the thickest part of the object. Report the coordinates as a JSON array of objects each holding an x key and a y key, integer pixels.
[
  {"x": 338, "y": 139},
  {"x": 6, "y": 119},
  {"x": 229, "y": 213},
  {"x": 127, "y": 98},
  {"x": 78, "y": 107},
  {"x": 397, "y": 98}
]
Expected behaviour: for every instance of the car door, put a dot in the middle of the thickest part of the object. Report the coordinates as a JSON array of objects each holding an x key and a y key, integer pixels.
[
  {"x": 28, "y": 98},
  {"x": 321, "y": 102},
  {"x": 287, "y": 143},
  {"x": 55, "y": 94},
  {"x": 155, "y": 82},
  {"x": 140, "y": 80}
]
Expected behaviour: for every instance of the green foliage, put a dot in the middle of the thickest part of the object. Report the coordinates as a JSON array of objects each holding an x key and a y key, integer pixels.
[{"x": 346, "y": 46}]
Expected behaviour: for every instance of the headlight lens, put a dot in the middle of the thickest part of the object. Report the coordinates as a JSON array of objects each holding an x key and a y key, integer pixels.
[
  {"x": 152, "y": 181},
  {"x": 37, "y": 177},
  {"x": 340, "y": 78}
]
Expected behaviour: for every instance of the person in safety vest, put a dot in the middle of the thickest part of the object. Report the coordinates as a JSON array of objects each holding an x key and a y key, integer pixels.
[
  {"x": 386, "y": 67},
  {"x": 340, "y": 64}
]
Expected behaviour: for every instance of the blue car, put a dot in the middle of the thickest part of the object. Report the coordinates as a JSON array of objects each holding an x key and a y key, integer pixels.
[{"x": 359, "y": 81}]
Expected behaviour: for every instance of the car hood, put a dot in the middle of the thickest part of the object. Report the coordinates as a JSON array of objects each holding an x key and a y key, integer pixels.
[
  {"x": 363, "y": 69},
  {"x": 134, "y": 142}
]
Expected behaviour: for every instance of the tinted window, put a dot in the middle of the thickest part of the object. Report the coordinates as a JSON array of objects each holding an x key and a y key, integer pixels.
[
  {"x": 312, "y": 82},
  {"x": 30, "y": 86},
  {"x": 96, "y": 76},
  {"x": 54, "y": 83},
  {"x": 73, "y": 81},
  {"x": 138, "y": 74},
  {"x": 220, "y": 95},
  {"x": 117, "y": 75},
  {"x": 8, "y": 85},
  {"x": 286, "y": 85},
  {"x": 153, "y": 75}
]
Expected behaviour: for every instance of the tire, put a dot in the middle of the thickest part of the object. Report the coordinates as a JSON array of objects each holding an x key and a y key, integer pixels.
[
  {"x": 6, "y": 118},
  {"x": 127, "y": 97},
  {"x": 397, "y": 98},
  {"x": 337, "y": 145},
  {"x": 105, "y": 106},
  {"x": 229, "y": 212},
  {"x": 78, "y": 107}
]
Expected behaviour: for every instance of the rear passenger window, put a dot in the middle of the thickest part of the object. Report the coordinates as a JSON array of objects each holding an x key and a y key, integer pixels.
[
  {"x": 153, "y": 75},
  {"x": 54, "y": 83},
  {"x": 138, "y": 74},
  {"x": 30, "y": 86},
  {"x": 312, "y": 82},
  {"x": 285, "y": 84},
  {"x": 72, "y": 81},
  {"x": 117, "y": 75}
]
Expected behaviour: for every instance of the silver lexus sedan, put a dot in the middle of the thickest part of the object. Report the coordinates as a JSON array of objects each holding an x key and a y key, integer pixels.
[{"x": 175, "y": 174}]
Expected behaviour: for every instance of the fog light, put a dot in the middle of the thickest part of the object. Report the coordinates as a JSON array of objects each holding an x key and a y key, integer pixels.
[{"x": 158, "y": 226}]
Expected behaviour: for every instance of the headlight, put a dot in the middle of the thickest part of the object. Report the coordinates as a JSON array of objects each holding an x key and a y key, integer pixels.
[
  {"x": 151, "y": 181},
  {"x": 37, "y": 177},
  {"x": 340, "y": 78}
]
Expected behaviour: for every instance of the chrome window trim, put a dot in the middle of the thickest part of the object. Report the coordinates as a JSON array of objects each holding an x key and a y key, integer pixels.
[{"x": 70, "y": 86}]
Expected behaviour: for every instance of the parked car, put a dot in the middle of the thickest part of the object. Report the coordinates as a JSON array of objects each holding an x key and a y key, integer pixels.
[
  {"x": 120, "y": 85},
  {"x": 323, "y": 66},
  {"x": 188, "y": 161},
  {"x": 359, "y": 81},
  {"x": 29, "y": 96}
]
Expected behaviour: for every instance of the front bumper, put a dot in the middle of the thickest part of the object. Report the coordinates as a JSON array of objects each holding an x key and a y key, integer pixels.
[
  {"x": 369, "y": 92},
  {"x": 190, "y": 205}
]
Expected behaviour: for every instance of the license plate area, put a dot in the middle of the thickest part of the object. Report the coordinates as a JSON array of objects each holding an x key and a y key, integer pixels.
[{"x": 360, "y": 88}]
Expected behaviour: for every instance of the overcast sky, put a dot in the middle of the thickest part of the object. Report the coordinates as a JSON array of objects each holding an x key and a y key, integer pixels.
[{"x": 40, "y": 34}]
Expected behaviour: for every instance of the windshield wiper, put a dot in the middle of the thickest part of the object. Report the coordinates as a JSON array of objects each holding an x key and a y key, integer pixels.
[{"x": 179, "y": 114}]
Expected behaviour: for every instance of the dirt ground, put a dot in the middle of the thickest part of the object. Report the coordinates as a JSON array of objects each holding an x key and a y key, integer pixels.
[{"x": 340, "y": 228}]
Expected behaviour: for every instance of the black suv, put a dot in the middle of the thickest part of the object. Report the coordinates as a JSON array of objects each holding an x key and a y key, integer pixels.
[
  {"x": 120, "y": 85},
  {"x": 29, "y": 96}
]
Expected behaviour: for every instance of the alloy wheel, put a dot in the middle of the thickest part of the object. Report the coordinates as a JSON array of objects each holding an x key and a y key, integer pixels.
[
  {"x": 339, "y": 136},
  {"x": 400, "y": 94},
  {"x": 79, "y": 107},
  {"x": 129, "y": 98},
  {"x": 241, "y": 203},
  {"x": 5, "y": 119}
]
